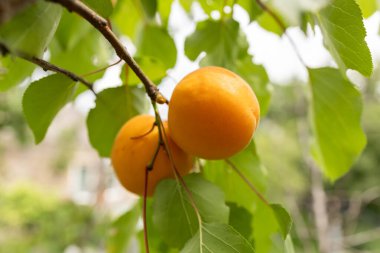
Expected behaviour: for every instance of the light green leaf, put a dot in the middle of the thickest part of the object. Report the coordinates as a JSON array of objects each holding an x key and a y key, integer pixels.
[
  {"x": 343, "y": 31},
  {"x": 222, "y": 40},
  {"x": 43, "y": 99},
  {"x": 31, "y": 30},
  {"x": 283, "y": 219},
  {"x": 336, "y": 108},
  {"x": 241, "y": 220},
  {"x": 128, "y": 17},
  {"x": 289, "y": 247},
  {"x": 14, "y": 71},
  {"x": 164, "y": 8},
  {"x": 102, "y": 7},
  {"x": 368, "y": 7},
  {"x": 267, "y": 22},
  {"x": 217, "y": 238},
  {"x": 122, "y": 230},
  {"x": 211, "y": 5},
  {"x": 156, "y": 43},
  {"x": 151, "y": 67},
  {"x": 257, "y": 78},
  {"x": 114, "y": 106},
  {"x": 174, "y": 217},
  {"x": 251, "y": 6}
]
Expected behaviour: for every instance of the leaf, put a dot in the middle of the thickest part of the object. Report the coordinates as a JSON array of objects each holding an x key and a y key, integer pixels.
[
  {"x": 14, "y": 71},
  {"x": 289, "y": 247},
  {"x": 335, "y": 118},
  {"x": 150, "y": 7},
  {"x": 344, "y": 35},
  {"x": 267, "y": 22},
  {"x": 283, "y": 219},
  {"x": 102, "y": 7},
  {"x": 32, "y": 29},
  {"x": 164, "y": 8},
  {"x": 114, "y": 106},
  {"x": 156, "y": 43},
  {"x": 128, "y": 18},
  {"x": 216, "y": 238},
  {"x": 43, "y": 99},
  {"x": 240, "y": 219},
  {"x": 228, "y": 180},
  {"x": 150, "y": 66},
  {"x": 174, "y": 217},
  {"x": 252, "y": 7},
  {"x": 122, "y": 230},
  {"x": 212, "y": 5},
  {"x": 257, "y": 78},
  {"x": 368, "y": 7}
]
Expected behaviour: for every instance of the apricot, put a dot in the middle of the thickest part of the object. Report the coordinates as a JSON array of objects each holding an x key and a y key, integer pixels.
[
  {"x": 133, "y": 150},
  {"x": 213, "y": 113}
]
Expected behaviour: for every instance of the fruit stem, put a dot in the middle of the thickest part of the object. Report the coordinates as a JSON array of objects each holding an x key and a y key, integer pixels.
[
  {"x": 246, "y": 180},
  {"x": 144, "y": 210}
]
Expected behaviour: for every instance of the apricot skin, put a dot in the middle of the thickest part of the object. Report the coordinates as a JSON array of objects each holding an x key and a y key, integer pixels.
[
  {"x": 213, "y": 113},
  {"x": 134, "y": 149}
]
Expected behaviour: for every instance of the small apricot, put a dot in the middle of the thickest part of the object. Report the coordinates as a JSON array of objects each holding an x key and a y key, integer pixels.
[{"x": 134, "y": 149}]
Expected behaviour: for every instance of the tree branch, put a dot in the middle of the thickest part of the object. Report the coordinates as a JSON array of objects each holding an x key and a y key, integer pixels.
[
  {"x": 45, "y": 65},
  {"x": 102, "y": 26}
]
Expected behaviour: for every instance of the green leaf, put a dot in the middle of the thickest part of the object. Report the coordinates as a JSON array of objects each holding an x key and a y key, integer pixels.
[
  {"x": 267, "y": 22},
  {"x": 156, "y": 43},
  {"x": 114, "y": 106},
  {"x": 222, "y": 40},
  {"x": 241, "y": 220},
  {"x": 14, "y": 71},
  {"x": 216, "y": 238},
  {"x": 31, "y": 30},
  {"x": 252, "y": 7},
  {"x": 122, "y": 230},
  {"x": 92, "y": 50},
  {"x": 336, "y": 108},
  {"x": 150, "y": 7},
  {"x": 164, "y": 8},
  {"x": 151, "y": 67},
  {"x": 43, "y": 99},
  {"x": 368, "y": 7},
  {"x": 102, "y": 7},
  {"x": 174, "y": 216},
  {"x": 344, "y": 34},
  {"x": 128, "y": 18},
  {"x": 257, "y": 78},
  {"x": 211, "y": 5},
  {"x": 289, "y": 247},
  {"x": 233, "y": 186},
  {"x": 283, "y": 219}
]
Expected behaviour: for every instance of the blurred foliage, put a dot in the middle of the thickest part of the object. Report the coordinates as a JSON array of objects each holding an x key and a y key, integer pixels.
[{"x": 33, "y": 221}]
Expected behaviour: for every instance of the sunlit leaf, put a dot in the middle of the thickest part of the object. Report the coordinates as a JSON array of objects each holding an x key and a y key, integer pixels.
[
  {"x": 128, "y": 17},
  {"x": 32, "y": 29},
  {"x": 368, "y": 7},
  {"x": 344, "y": 34},
  {"x": 114, "y": 106},
  {"x": 252, "y": 7},
  {"x": 43, "y": 100},
  {"x": 150, "y": 7},
  {"x": 283, "y": 219},
  {"x": 102, "y": 7},
  {"x": 216, "y": 238},
  {"x": 174, "y": 216},
  {"x": 14, "y": 71},
  {"x": 335, "y": 116}
]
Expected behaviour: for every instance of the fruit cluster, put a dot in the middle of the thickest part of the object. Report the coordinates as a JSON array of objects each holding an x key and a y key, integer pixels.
[{"x": 213, "y": 114}]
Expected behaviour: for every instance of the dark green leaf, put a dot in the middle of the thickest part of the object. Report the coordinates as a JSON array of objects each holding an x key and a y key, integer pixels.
[
  {"x": 31, "y": 30},
  {"x": 217, "y": 238},
  {"x": 102, "y": 7},
  {"x": 43, "y": 100},
  {"x": 174, "y": 217},
  {"x": 257, "y": 78},
  {"x": 283, "y": 219},
  {"x": 156, "y": 43},
  {"x": 114, "y": 106},
  {"x": 240, "y": 219},
  {"x": 335, "y": 116},
  {"x": 122, "y": 230},
  {"x": 150, "y": 7},
  {"x": 344, "y": 34},
  {"x": 222, "y": 40}
]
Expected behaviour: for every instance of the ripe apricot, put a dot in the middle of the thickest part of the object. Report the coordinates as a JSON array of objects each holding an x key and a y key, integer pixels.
[
  {"x": 213, "y": 113},
  {"x": 133, "y": 151}
]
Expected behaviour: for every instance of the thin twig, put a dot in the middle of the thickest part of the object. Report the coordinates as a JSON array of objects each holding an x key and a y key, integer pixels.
[
  {"x": 101, "y": 69},
  {"x": 45, "y": 65},
  {"x": 250, "y": 185},
  {"x": 102, "y": 26},
  {"x": 283, "y": 28}
]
